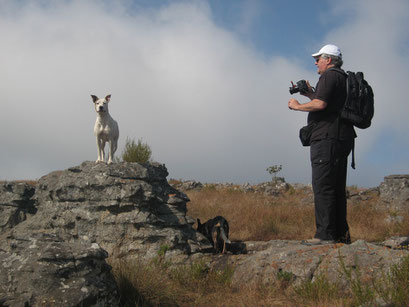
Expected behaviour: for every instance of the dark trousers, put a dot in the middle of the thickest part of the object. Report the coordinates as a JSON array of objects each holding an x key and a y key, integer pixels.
[{"x": 329, "y": 161}]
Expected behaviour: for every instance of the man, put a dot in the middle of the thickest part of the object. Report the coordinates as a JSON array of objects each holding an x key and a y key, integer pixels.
[{"x": 331, "y": 142}]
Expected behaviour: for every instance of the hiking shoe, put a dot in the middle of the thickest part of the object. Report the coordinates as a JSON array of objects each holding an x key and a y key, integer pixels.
[
  {"x": 344, "y": 241},
  {"x": 317, "y": 241}
]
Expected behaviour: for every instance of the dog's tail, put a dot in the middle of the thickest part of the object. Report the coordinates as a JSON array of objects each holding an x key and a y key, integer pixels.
[{"x": 223, "y": 235}]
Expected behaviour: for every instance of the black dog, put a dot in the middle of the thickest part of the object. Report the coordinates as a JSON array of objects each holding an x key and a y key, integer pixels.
[{"x": 216, "y": 230}]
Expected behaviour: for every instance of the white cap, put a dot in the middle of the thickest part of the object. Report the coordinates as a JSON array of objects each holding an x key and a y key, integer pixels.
[{"x": 329, "y": 49}]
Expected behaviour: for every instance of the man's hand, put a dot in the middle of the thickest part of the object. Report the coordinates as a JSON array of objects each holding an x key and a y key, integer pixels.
[
  {"x": 293, "y": 104},
  {"x": 310, "y": 91}
]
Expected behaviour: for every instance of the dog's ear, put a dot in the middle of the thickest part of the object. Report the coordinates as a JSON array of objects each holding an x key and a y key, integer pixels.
[
  {"x": 108, "y": 98},
  {"x": 94, "y": 98}
]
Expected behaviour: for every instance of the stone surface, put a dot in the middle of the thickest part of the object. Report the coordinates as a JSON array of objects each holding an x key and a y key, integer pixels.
[
  {"x": 397, "y": 243},
  {"x": 266, "y": 261},
  {"x": 271, "y": 188},
  {"x": 129, "y": 209},
  {"x": 43, "y": 270},
  {"x": 15, "y": 203},
  {"x": 394, "y": 192},
  {"x": 188, "y": 185},
  {"x": 54, "y": 252}
]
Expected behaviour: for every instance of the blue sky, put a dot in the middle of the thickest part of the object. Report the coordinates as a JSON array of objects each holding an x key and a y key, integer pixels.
[
  {"x": 204, "y": 83},
  {"x": 265, "y": 23}
]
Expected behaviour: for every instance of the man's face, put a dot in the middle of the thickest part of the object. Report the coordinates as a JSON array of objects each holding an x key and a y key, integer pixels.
[{"x": 322, "y": 64}]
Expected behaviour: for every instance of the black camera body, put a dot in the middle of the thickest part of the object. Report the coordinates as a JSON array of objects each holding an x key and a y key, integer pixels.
[{"x": 301, "y": 86}]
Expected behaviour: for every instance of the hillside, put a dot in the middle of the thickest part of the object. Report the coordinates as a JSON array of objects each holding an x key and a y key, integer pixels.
[{"x": 63, "y": 230}]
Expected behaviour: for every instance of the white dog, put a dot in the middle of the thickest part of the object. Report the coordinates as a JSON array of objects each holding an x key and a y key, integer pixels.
[{"x": 105, "y": 129}]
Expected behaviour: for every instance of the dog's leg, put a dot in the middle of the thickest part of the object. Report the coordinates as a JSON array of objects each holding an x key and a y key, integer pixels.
[
  {"x": 103, "y": 151},
  {"x": 99, "y": 145},
  {"x": 214, "y": 239},
  {"x": 110, "y": 152},
  {"x": 113, "y": 145}
]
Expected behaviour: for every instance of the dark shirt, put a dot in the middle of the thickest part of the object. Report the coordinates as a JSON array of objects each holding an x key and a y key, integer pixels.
[{"x": 331, "y": 88}]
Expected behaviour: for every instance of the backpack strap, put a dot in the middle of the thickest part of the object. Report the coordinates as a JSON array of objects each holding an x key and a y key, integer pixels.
[
  {"x": 353, "y": 154},
  {"x": 339, "y": 70}
]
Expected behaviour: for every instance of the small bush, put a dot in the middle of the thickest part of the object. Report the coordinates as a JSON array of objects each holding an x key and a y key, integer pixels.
[
  {"x": 136, "y": 152},
  {"x": 285, "y": 279},
  {"x": 274, "y": 170}
]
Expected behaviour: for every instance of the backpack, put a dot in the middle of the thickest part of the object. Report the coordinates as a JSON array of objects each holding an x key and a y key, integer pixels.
[
  {"x": 359, "y": 104},
  {"x": 358, "y": 108}
]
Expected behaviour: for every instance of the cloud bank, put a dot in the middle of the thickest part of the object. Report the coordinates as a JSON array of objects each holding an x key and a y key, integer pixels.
[{"x": 211, "y": 107}]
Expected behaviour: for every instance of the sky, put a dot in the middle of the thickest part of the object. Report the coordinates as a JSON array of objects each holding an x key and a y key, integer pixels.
[{"x": 203, "y": 82}]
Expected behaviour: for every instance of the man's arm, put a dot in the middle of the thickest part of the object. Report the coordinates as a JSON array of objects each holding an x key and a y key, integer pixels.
[{"x": 312, "y": 106}]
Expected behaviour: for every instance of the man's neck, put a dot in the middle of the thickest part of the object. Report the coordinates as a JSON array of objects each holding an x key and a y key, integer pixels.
[{"x": 328, "y": 67}]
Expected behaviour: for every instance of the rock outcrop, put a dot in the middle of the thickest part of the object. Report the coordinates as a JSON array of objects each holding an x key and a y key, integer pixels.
[
  {"x": 271, "y": 188},
  {"x": 44, "y": 270},
  {"x": 128, "y": 209},
  {"x": 55, "y": 236},
  {"x": 268, "y": 261},
  {"x": 394, "y": 192}
]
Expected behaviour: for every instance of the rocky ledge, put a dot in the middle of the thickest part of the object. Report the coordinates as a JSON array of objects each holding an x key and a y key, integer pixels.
[
  {"x": 128, "y": 209},
  {"x": 267, "y": 261},
  {"x": 56, "y": 235}
]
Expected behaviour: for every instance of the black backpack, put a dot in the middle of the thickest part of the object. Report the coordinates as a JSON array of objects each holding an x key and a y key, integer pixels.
[{"x": 359, "y": 104}]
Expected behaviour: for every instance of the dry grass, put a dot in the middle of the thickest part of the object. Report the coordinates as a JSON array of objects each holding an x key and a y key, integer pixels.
[
  {"x": 370, "y": 224},
  {"x": 254, "y": 217},
  {"x": 30, "y": 182},
  {"x": 257, "y": 217},
  {"x": 157, "y": 284}
]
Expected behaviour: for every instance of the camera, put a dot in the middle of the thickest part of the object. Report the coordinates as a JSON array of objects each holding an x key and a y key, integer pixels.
[{"x": 301, "y": 86}]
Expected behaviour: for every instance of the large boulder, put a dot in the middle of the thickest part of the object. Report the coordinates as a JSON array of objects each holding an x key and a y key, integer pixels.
[
  {"x": 129, "y": 209},
  {"x": 55, "y": 236},
  {"x": 394, "y": 192},
  {"x": 43, "y": 270}
]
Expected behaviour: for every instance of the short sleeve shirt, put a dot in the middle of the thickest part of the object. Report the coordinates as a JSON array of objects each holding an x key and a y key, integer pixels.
[{"x": 331, "y": 88}]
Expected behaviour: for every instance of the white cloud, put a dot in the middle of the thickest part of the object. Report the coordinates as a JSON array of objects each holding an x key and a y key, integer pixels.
[
  {"x": 211, "y": 107},
  {"x": 374, "y": 39}
]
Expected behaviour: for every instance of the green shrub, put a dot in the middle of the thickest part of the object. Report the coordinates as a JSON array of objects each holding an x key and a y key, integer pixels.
[
  {"x": 274, "y": 170},
  {"x": 136, "y": 152},
  {"x": 285, "y": 279}
]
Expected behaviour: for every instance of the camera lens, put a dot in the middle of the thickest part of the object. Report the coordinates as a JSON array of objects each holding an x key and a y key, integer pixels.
[{"x": 294, "y": 90}]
